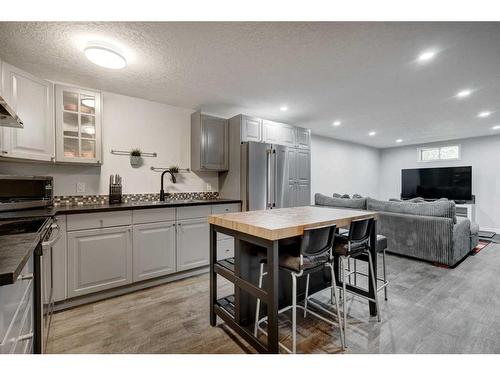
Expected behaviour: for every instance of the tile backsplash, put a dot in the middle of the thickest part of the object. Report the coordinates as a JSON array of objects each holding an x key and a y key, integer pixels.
[{"x": 75, "y": 200}]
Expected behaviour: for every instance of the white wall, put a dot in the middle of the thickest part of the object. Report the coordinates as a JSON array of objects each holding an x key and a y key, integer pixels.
[
  {"x": 343, "y": 167},
  {"x": 482, "y": 153},
  {"x": 129, "y": 123}
]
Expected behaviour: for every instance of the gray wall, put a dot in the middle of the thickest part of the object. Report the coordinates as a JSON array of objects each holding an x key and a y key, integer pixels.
[
  {"x": 482, "y": 153},
  {"x": 343, "y": 167}
]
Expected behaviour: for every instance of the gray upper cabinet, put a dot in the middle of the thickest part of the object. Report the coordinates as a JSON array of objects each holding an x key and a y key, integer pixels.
[
  {"x": 209, "y": 143},
  {"x": 303, "y": 138},
  {"x": 251, "y": 129}
]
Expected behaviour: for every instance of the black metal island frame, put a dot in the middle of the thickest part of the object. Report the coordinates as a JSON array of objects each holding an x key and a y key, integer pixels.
[{"x": 259, "y": 234}]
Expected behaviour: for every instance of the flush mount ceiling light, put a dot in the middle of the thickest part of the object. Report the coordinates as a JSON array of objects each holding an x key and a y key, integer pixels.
[
  {"x": 496, "y": 127},
  {"x": 372, "y": 133},
  {"x": 105, "y": 55},
  {"x": 283, "y": 108},
  {"x": 463, "y": 93},
  {"x": 426, "y": 56},
  {"x": 484, "y": 114},
  {"x": 337, "y": 123},
  {"x": 399, "y": 140},
  {"x": 88, "y": 102}
]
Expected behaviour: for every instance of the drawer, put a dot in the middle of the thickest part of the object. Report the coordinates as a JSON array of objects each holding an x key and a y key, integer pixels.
[
  {"x": 24, "y": 341},
  {"x": 11, "y": 296},
  {"x": 14, "y": 330},
  {"x": 225, "y": 208},
  {"x": 98, "y": 220},
  {"x": 153, "y": 215},
  {"x": 225, "y": 248},
  {"x": 193, "y": 212}
]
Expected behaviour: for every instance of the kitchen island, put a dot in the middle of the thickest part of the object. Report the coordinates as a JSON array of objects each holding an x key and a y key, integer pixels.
[{"x": 266, "y": 234}]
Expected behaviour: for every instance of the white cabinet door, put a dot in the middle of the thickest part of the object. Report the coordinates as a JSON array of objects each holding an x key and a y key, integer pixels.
[
  {"x": 99, "y": 259},
  {"x": 251, "y": 129},
  {"x": 303, "y": 166},
  {"x": 303, "y": 138},
  {"x": 288, "y": 135},
  {"x": 78, "y": 125},
  {"x": 154, "y": 250},
  {"x": 32, "y": 99},
  {"x": 272, "y": 132},
  {"x": 193, "y": 242}
]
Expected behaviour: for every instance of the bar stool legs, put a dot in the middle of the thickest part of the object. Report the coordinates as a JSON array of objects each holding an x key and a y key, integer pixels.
[
  {"x": 294, "y": 313},
  {"x": 374, "y": 284},
  {"x": 257, "y": 312},
  {"x": 307, "y": 296},
  {"x": 385, "y": 277}
]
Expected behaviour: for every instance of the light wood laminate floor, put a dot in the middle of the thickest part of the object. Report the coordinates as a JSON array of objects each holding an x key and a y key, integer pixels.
[{"x": 430, "y": 310}]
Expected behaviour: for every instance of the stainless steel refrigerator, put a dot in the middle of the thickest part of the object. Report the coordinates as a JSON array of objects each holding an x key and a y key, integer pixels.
[{"x": 274, "y": 176}]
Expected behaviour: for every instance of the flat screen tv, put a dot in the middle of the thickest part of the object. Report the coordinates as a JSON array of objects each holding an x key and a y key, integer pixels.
[{"x": 454, "y": 183}]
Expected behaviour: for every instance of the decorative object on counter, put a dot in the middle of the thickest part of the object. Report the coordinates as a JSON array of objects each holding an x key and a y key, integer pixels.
[
  {"x": 135, "y": 158},
  {"x": 78, "y": 200},
  {"x": 115, "y": 189}
]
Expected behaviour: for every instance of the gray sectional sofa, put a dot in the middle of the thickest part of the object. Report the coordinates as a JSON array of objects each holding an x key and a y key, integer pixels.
[{"x": 425, "y": 230}]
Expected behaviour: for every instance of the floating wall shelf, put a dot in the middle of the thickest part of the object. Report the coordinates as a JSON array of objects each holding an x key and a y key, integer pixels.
[{"x": 181, "y": 170}]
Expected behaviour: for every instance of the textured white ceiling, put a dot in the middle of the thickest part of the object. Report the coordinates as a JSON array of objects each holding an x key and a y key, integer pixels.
[{"x": 364, "y": 74}]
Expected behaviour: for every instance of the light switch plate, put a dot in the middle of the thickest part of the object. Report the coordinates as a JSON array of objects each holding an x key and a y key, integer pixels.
[{"x": 80, "y": 187}]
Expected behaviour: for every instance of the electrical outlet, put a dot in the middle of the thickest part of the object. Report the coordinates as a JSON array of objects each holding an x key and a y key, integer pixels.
[
  {"x": 80, "y": 187},
  {"x": 208, "y": 186}
]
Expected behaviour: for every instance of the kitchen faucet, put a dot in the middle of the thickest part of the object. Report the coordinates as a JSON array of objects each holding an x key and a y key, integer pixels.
[{"x": 172, "y": 177}]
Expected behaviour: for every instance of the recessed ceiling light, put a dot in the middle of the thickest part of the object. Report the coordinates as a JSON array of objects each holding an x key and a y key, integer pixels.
[
  {"x": 337, "y": 123},
  {"x": 496, "y": 127},
  {"x": 399, "y": 140},
  {"x": 283, "y": 108},
  {"x": 372, "y": 133},
  {"x": 484, "y": 114},
  {"x": 463, "y": 93},
  {"x": 105, "y": 55},
  {"x": 426, "y": 56}
]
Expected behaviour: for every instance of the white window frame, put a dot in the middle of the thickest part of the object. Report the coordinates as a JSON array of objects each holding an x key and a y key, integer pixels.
[{"x": 420, "y": 149}]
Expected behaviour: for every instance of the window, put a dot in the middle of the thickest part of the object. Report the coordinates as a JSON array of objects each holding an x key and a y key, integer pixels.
[{"x": 451, "y": 152}]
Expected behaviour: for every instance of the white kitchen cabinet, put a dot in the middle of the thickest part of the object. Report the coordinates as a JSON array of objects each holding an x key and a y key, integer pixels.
[
  {"x": 303, "y": 138},
  {"x": 32, "y": 99},
  {"x": 287, "y": 135},
  {"x": 99, "y": 259},
  {"x": 193, "y": 246},
  {"x": 271, "y": 131},
  {"x": 154, "y": 250},
  {"x": 78, "y": 125},
  {"x": 251, "y": 129}
]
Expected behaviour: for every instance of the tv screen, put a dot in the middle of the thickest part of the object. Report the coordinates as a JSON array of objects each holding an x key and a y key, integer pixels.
[{"x": 454, "y": 183}]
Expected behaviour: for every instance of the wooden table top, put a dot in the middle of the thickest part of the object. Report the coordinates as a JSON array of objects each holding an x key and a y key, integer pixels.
[{"x": 287, "y": 222}]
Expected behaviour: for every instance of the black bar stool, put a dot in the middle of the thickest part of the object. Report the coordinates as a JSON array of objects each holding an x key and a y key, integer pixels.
[
  {"x": 355, "y": 244},
  {"x": 315, "y": 253}
]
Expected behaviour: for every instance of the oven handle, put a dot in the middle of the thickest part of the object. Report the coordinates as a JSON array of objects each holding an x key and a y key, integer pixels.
[{"x": 55, "y": 239}]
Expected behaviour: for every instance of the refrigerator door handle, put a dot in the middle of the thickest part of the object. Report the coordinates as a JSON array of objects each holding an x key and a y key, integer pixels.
[
  {"x": 275, "y": 177},
  {"x": 268, "y": 179}
]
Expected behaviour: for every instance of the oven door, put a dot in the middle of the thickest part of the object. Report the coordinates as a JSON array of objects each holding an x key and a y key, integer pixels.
[{"x": 47, "y": 282}]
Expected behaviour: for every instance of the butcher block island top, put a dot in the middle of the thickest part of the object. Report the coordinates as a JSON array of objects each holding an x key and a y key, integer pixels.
[{"x": 281, "y": 223}]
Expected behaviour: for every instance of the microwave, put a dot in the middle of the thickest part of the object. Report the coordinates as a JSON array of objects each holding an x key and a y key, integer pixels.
[{"x": 22, "y": 192}]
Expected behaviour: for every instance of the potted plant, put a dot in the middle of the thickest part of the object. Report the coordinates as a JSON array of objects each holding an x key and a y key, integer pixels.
[
  {"x": 135, "y": 157},
  {"x": 173, "y": 170}
]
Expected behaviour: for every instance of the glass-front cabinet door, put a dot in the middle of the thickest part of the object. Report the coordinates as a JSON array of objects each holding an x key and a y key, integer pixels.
[{"x": 78, "y": 125}]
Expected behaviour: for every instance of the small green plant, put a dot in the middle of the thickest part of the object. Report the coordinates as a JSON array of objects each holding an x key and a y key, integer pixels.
[
  {"x": 174, "y": 169},
  {"x": 135, "y": 152}
]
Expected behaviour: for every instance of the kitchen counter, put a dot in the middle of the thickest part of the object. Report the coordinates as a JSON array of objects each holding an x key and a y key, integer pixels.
[
  {"x": 89, "y": 208},
  {"x": 15, "y": 250}
]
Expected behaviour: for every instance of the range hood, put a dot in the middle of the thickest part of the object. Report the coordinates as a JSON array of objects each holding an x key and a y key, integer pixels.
[{"x": 8, "y": 117}]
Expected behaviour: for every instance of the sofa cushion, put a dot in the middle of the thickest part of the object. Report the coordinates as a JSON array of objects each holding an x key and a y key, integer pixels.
[
  {"x": 324, "y": 200},
  {"x": 437, "y": 209}
]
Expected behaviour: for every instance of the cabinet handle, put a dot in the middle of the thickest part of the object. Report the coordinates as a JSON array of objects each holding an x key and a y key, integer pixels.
[{"x": 25, "y": 337}]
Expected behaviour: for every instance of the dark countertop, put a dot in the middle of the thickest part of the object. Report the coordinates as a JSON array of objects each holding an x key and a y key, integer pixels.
[
  {"x": 88, "y": 208},
  {"x": 15, "y": 250}
]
